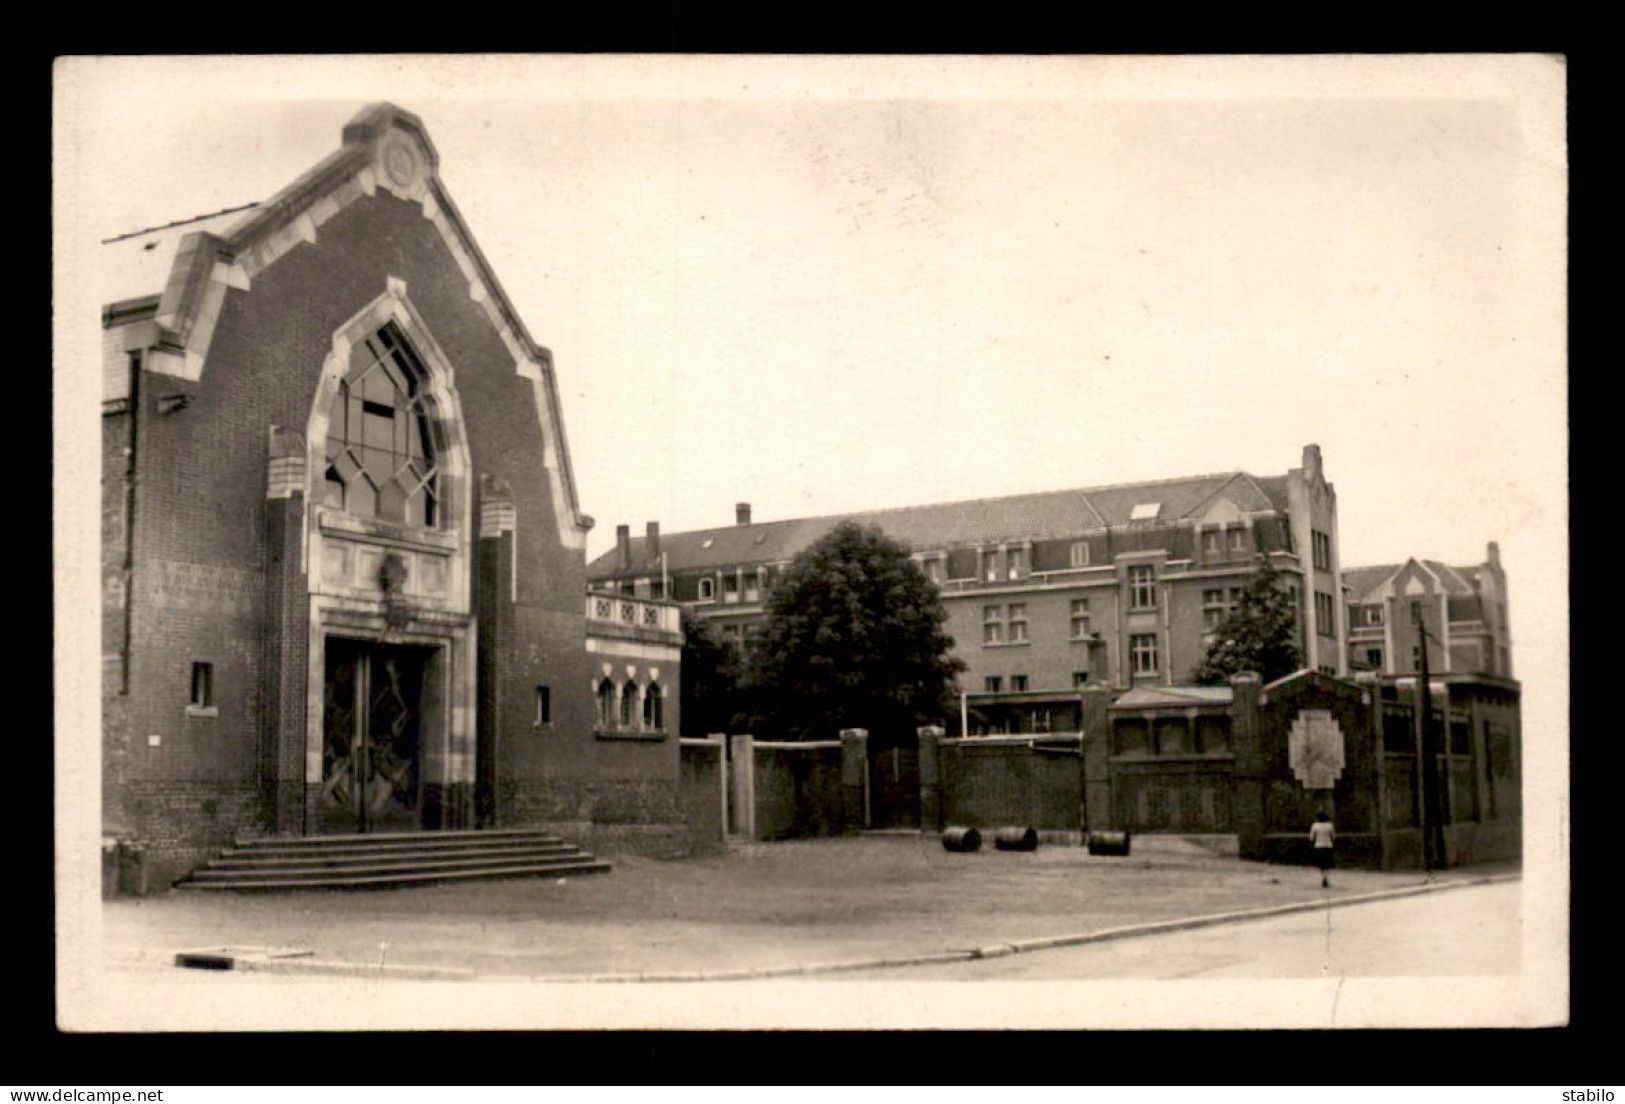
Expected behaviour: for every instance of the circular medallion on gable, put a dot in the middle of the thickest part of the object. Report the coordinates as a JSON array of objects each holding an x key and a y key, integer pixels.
[{"x": 401, "y": 163}]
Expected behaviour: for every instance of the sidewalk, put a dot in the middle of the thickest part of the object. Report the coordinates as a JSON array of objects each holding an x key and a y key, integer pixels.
[{"x": 759, "y": 910}]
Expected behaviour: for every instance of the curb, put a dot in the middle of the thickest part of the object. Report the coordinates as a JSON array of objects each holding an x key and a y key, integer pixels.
[
  {"x": 271, "y": 960},
  {"x": 297, "y": 961},
  {"x": 1021, "y": 946}
]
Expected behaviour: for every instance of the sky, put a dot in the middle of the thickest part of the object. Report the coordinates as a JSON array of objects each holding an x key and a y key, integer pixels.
[{"x": 821, "y": 285}]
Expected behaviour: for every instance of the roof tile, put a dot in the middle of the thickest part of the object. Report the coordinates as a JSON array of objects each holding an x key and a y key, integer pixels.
[{"x": 942, "y": 525}]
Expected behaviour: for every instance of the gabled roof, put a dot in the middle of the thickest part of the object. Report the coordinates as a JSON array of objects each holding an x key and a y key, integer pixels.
[
  {"x": 1364, "y": 582},
  {"x": 196, "y": 261},
  {"x": 1361, "y": 581},
  {"x": 944, "y": 525},
  {"x": 1449, "y": 578},
  {"x": 136, "y": 265},
  {"x": 1274, "y": 487}
]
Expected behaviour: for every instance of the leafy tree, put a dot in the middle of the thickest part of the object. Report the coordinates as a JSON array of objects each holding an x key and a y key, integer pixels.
[
  {"x": 854, "y": 638},
  {"x": 709, "y": 682},
  {"x": 1260, "y": 634}
]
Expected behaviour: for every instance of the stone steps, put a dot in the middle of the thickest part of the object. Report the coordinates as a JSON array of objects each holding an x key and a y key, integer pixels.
[{"x": 390, "y": 859}]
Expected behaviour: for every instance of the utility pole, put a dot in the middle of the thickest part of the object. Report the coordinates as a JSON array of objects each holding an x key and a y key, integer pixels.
[{"x": 1427, "y": 760}]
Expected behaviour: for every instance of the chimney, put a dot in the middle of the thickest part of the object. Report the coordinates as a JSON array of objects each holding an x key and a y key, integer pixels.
[
  {"x": 1311, "y": 460},
  {"x": 1495, "y": 553},
  {"x": 623, "y": 547},
  {"x": 651, "y": 541},
  {"x": 742, "y": 513}
]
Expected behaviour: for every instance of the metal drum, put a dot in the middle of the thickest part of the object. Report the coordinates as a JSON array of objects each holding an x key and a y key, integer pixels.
[
  {"x": 1016, "y": 839},
  {"x": 961, "y": 839},
  {"x": 1108, "y": 843}
]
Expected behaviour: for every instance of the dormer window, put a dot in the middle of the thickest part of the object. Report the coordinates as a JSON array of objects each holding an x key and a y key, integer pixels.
[
  {"x": 380, "y": 443},
  {"x": 1145, "y": 511}
]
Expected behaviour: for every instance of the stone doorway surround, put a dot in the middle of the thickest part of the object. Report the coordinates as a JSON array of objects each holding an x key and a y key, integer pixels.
[{"x": 367, "y": 579}]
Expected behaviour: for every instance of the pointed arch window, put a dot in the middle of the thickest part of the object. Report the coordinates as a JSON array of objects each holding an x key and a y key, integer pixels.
[
  {"x": 606, "y": 705},
  {"x": 381, "y": 458},
  {"x": 629, "y": 704},
  {"x": 654, "y": 713}
]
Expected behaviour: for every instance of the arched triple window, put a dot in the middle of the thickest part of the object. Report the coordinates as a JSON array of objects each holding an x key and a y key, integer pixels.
[{"x": 380, "y": 446}]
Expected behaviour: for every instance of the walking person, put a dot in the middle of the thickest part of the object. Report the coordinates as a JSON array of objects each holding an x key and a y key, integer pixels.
[{"x": 1322, "y": 837}]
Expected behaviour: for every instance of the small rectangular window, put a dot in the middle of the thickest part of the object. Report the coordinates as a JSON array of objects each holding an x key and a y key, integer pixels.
[
  {"x": 544, "y": 705},
  {"x": 1080, "y": 679},
  {"x": 202, "y": 686},
  {"x": 1324, "y": 620},
  {"x": 1320, "y": 545},
  {"x": 1080, "y": 618},
  {"x": 1018, "y": 682},
  {"x": 993, "y": 683},
  {"x": 1078, "y": 555},
  {"x": 1018, "y": 623},
  {"x": 1143, "y": 653},
  {"x": 1016, "y": 561},
  {"x": 1142, "y": 581}
]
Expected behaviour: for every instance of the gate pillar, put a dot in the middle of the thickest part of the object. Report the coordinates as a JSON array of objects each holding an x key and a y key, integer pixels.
[
  {"x": 1096, "y": 814},
  {"x": 854, "y": 779},
  {"x": 930, "y": 778},
  {"x": 1246, "y": 741}
]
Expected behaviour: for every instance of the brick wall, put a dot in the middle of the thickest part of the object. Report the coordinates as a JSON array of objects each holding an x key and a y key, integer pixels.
[
  {"x": 203, "y": 545},
  {"x": 181, "y": 825},
  {"x": 798, "y": 791},
  {"x": 701, "y": 796},
  {"x": 987, "y": 783}
]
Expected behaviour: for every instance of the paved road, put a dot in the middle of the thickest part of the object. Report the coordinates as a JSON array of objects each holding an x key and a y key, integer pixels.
[{"x": 1450, "y": 933}]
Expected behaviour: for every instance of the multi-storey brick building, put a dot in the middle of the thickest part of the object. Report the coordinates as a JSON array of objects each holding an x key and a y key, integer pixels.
[
  {"x": 1049, "y": 592},
  {"x": 343, "y": 556},
  {"x": 1463, "y": 608}
]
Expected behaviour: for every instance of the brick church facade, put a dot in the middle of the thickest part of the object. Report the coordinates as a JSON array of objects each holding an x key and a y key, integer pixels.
[{"x": 342, "y": 553}]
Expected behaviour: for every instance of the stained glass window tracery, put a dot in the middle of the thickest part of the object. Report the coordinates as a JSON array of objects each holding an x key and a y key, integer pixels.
[{"x": 380, "y": 447}]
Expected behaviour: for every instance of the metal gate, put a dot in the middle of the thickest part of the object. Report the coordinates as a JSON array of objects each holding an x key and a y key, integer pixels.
[{"x": 894, "y": 787}]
